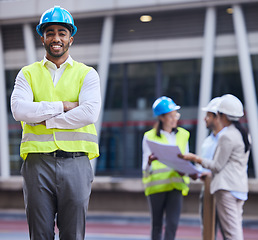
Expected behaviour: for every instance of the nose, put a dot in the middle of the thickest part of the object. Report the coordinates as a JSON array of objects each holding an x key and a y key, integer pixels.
[{"x": 56, "y": 38}]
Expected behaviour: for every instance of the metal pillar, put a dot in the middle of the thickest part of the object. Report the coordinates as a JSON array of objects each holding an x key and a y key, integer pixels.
[
  {"x": 103, "y": 68},
  {"x": 247, "y": 80},
  {"x": 206, "y": 73},
  {"x": 4, "y": 140},
  {"x": 29, "y": 44}
]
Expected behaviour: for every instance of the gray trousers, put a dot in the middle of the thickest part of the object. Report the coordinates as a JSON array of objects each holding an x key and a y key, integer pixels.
[
  {"x": 168, "y": 204},
  {"x": 230, "y": 210},
  {"x": 217, "y": 221},
  {"x": 56, "y": 188}
]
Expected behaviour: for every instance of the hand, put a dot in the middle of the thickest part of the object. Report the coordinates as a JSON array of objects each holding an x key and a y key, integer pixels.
[
  {"x": 204, "y": 175},
  {"x": 190, "y": 157},
  {"x": 70, "y": 105},
  {"x": 151, "y": 158},
  {"x": 42, "y": 123},
  {"x": 194, "y": 176},
  {"x": 181, "y": 173}
]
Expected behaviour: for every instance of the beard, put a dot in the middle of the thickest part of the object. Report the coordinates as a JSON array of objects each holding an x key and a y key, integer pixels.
[
  {"x": 57, "y": 55},
  {"x": 210, "y": 127}
]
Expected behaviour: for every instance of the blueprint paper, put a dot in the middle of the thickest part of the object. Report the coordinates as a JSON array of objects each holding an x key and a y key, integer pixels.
[{"x": 167, "y": 154}]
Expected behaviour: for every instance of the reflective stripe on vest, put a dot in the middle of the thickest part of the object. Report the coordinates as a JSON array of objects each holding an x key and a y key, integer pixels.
[
  {"x": 38, "y": 138},
  {"x": 166, "y": 181},
  {"x": 161, "y": 178},
  {"x": 162, "y": 170},
  {"x": 60, "y": 136}
]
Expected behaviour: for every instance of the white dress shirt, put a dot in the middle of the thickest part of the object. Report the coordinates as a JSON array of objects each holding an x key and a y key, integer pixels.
[
  {"x": 209, "y": 147},
  {"x": 26, "y": 110}
]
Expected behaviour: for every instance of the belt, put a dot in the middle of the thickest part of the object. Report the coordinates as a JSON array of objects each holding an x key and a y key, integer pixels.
[{"x": 63, "y": 154}]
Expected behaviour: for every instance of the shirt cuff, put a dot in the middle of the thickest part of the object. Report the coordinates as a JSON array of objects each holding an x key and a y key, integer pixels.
[
  {"x": 59, "y": 108},
  {"x": 206, "y": 163}
]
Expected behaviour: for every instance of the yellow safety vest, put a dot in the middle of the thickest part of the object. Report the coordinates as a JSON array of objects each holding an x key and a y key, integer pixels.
[
  {"x": 39, "y": 139},
  {"x": 162, "y": 178}
]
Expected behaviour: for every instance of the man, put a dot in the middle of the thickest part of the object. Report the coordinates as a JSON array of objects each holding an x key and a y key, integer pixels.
[
  {"x": 57, "y": 101},
  {"x": 210, "y": 143}
]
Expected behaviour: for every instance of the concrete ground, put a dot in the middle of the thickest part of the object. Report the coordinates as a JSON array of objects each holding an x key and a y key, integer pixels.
[{"x": 122, "y": 226}]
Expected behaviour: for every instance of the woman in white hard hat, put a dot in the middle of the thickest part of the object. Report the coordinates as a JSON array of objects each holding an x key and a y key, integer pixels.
[
  {"x": 229, "y": 167},
  {"x": 164, "y": 186}
]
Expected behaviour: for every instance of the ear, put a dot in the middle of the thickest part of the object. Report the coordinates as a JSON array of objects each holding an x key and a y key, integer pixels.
[
  {"x": 42, "y": 40},
  {"x": 71, "y": 41},
  {"x": 161, "y": 118}
]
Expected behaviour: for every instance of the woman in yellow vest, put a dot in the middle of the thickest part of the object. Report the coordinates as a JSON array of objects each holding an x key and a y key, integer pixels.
[{"x": 164, "y": 187}]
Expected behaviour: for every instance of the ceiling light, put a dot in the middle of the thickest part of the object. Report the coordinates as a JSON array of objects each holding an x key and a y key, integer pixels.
[
  {"x": 230, "y": 10},
  {"x": 145, "y": 18}
]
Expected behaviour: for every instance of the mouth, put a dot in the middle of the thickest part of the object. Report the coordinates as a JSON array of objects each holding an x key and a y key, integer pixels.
[{"x": 56, "y": 47}]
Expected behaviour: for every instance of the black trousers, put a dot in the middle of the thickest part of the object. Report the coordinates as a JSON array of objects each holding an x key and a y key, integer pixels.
[{"x": 166, "y": 204}]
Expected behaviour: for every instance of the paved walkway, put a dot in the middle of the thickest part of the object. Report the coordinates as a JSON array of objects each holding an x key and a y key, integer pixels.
[{"x": 13, "y": 226}]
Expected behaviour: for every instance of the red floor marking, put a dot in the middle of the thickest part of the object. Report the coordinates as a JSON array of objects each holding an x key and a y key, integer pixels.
[{"x": 140, "y": 229}]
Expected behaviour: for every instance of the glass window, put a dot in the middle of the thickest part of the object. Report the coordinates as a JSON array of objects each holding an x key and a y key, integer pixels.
[
  {"x": 111, "y": 141},
  {"x": 141, "y": 85},
  {"x": 140, "y": 80},
  {"x": 131, "y": 90},
  {"x": 114, "y": 91},
  {"x": 12, "y": 37},
  {"x": 10, "y": 76},
  {"x": 255, "y": 72},
  {"x": 14, "y": 127},
  {"x": 181, "y": 80},
  {"x": 111, "y": 156},
  {"x": 227, "y": 77},
  {"x": 133, "y": 87},
  {"x": 129, "y": 97}
]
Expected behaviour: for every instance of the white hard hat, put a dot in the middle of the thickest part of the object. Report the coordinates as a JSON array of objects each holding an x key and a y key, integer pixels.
[
  {"x": 212, "y": 105},
  {"x": 231, "y": 106}
]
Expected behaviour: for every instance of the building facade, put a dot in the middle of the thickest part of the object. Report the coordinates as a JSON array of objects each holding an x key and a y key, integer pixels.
[{"x": 190, "y": 51}]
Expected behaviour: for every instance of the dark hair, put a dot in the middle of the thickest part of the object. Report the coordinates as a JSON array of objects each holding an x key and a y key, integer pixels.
[
  {"x": 214, "y": 114},
  {"x": 66, "y": 25},
  {"x": 244, "y": 134},
  {"x": 159, "y": 126}
]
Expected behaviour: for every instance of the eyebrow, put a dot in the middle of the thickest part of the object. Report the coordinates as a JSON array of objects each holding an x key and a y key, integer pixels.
[{"x": 59, "y": 30}]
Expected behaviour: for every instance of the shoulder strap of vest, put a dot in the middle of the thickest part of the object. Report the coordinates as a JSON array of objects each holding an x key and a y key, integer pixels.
[
  {"x": 81, "y": 66},
  {"x": 33, "y": 65},
  {"x": 183, "y": 131},
  {"x": 151, "y": 135},
  {"x": 182, "y": 138}
]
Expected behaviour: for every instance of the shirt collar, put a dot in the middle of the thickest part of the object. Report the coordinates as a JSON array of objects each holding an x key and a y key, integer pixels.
[
  {"x": 174, "y": 131},
  {"x": 69, "y": 60},
  {"x": 219, "y": 133},
  {"x": 222, "y": 131}
]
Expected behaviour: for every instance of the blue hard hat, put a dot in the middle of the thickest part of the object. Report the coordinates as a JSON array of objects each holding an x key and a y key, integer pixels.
[
  {"x": 164, "y": 105},
  {"x": 56, "y": 15}
]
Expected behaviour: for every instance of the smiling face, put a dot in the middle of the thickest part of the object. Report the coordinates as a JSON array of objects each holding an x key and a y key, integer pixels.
[
  {"x": 57, "y": 40},
  {"x": 170, "y": 120}
]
